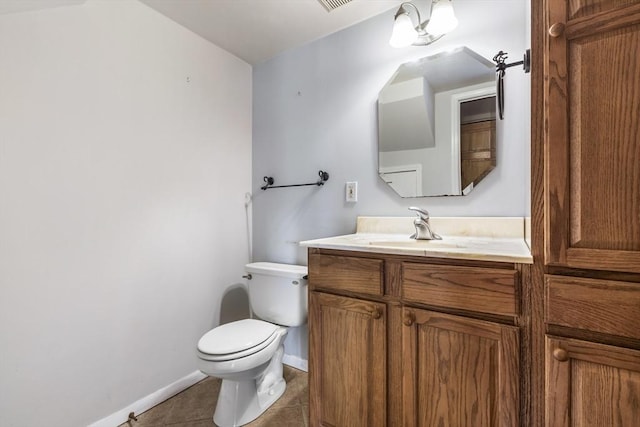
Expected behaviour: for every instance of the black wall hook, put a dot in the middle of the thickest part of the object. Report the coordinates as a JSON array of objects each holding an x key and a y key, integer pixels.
[
  {"x": 324, "y": 177},
  {"x": 501, "y": 69}
]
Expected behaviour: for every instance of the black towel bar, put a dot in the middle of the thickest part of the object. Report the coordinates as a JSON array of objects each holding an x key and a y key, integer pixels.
[{"x": 324, "y": 177}]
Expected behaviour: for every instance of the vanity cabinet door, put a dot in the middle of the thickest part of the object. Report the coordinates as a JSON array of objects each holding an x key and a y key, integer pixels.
[
  {"x": 347, "y": 361},
  {"x": 592, "y": 110},
  {"x": 458, "y": 371},
  {"x": 589, "y": 384}
]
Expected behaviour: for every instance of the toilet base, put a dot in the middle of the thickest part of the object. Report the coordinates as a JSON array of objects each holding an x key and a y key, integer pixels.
[{"x": 241, "y": 402}]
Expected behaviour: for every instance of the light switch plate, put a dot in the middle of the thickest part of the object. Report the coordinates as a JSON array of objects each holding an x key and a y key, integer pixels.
[{"x": 351, "y": 191}]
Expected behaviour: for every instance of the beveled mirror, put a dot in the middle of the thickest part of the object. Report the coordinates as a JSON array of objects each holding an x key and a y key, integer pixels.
[{"x": 437, "y": 125}]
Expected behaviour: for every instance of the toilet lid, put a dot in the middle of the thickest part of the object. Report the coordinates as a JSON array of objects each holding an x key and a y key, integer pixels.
[{"x": 236, "y": 337}]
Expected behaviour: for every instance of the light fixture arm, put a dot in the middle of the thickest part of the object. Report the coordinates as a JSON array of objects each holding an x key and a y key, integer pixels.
[
  {"x": 424, "y": 38},
  {"x": 405, "y": 33},
  {"x": 402, "y": 10}
]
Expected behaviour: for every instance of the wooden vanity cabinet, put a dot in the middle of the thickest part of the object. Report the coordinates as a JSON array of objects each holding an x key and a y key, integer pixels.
[
  {"x": 458, "y": 371},
  {"x": 348, "y": 361},
  {"x": 419, "y": 342},
  {"x": 347, "y": 342}
]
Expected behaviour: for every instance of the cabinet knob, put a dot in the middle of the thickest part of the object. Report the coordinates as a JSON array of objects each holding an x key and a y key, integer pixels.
[
  {"x": 561, "y": 354},
  {"x": 376, "y": 313},
  {"x": 409, "y": 318},
  {"x": 556, "y": 29}
]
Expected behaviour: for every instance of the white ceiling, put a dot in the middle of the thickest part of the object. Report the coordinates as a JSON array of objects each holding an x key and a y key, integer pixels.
[
  {"x": 16, "y": 6},
  {"x": 253, "y": 30},
  {"x": 256, "y": 30}
]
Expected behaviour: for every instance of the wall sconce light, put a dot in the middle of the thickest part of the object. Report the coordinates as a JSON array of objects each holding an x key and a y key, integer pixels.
[{"x": 405, "y": 33}]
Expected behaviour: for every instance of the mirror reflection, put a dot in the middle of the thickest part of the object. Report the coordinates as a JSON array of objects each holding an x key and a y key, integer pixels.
[{"x": 437, "y": 125}]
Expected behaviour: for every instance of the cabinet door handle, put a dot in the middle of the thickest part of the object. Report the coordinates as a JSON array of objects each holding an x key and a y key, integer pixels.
[
  {"x": 560, "y": 354},
  {"x": 376, "y": 313},
  {"x": 409, "y": 318},
  {"x": 556, "y": 29}
]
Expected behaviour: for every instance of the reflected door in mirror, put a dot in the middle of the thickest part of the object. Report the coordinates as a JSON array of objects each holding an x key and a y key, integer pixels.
[{"x": 477, "y": 140}]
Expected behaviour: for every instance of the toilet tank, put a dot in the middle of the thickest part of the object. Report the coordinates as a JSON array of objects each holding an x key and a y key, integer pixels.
[{"x": 278, "y": 292}]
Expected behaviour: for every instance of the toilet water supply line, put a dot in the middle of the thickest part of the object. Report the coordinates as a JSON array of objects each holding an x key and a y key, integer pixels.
[{"x": 248, "y": 199}]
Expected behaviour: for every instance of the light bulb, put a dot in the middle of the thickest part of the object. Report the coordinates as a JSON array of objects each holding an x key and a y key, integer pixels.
[
  {"x": 404, "y": 33},
  {"x": 442, "y": 18}
]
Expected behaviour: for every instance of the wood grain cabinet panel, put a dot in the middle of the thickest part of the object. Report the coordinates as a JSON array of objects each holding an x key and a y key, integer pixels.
[
  {"x": 592, "y": 190},
  {"x": 485, "y": 290},
  {"x": 347, "y": 363},
  {"x": 351, "y": 274},
  {"x": 605, "y": 306},
  {"x": 585, "y": 8},
  {"x": 458, "y": 371},
  {"x": 591, "y": 385}
]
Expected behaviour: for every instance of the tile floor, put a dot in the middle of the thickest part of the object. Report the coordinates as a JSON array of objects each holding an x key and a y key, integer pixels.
[{"x": 194, "y": 406}]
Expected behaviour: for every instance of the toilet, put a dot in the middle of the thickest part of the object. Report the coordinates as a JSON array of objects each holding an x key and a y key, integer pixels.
[{"x": 247, "y": 354}]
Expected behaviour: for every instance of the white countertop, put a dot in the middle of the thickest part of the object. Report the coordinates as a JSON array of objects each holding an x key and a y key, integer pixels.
[{"x": 485, "y": 239}]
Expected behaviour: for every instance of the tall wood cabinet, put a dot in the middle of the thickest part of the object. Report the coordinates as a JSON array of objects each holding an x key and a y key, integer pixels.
[
  {"x": 586, "y": 179},
  {"x": 592, "y": 165},
  {"x": 591, "y": 384}
]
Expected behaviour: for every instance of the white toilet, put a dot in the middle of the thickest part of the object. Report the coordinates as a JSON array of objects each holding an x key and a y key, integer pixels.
[{"x": 247, "y": 354}]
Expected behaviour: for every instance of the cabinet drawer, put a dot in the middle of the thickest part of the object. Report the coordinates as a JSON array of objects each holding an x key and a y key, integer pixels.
[
  {"x": 484, "y": 290},
  {"x": 361, "y": 275},
  {"x": 605, "y": 306}
]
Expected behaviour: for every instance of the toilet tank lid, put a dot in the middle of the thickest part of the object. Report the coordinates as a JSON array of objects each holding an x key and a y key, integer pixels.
[{"x": 274, "y": 269}]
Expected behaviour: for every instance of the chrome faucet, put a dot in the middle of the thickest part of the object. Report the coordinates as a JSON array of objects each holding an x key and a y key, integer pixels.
[{"x": 423, "y": 228}]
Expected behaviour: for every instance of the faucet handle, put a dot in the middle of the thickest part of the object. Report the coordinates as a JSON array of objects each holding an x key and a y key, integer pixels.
[{"x": 422, "y": 213}]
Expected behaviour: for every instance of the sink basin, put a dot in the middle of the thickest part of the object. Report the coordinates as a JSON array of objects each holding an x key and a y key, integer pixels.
[
  {"x": 402, "y": 241},
  {"x": 418, "y": 244}
]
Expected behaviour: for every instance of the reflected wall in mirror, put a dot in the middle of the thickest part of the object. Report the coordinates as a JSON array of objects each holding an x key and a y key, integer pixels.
[{"x": 437, "y": 125}]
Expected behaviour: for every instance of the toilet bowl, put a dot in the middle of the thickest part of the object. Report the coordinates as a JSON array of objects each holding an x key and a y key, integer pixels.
[
  {"x": 251, "y": 369},
  {"x": 247, "y": 354}
]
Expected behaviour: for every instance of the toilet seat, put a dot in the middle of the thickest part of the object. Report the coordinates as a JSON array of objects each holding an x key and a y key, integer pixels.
[{"x": 236, "y": 339}]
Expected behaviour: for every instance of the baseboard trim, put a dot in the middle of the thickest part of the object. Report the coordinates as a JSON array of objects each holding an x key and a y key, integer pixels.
[
  {"x": 150, "y": 400},
  {"x": 296, "y": 362}
]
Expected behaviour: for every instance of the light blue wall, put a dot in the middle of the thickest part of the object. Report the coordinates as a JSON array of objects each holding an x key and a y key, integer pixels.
[{"x": 314, "y": 108}]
